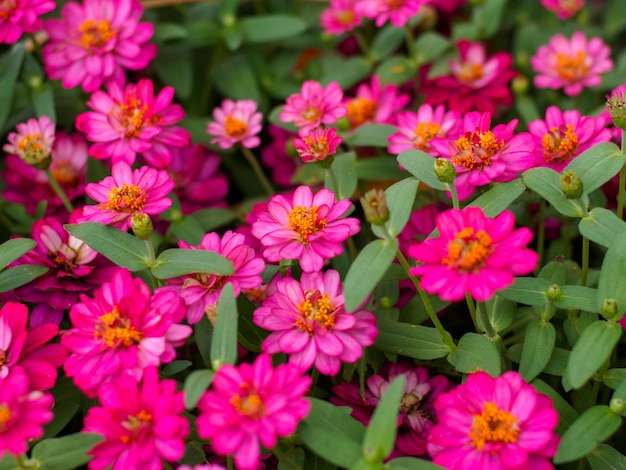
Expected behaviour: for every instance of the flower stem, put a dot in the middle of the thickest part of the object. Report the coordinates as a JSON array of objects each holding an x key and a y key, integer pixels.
[
  {"x": 360, "y": 39},
  {"x": 229, "y": 462},
  {"x": 622, "y": 181},
  {"x": 484, "y": 316},
  {"x": 56, "y": 187},
  {"x": 410, "y": 45},
  {"x": 472, "y": 310},
  {"x": 455, "y": 196},
  {"x": 541, "y": 232},
  {"x": 585, "y": 262},
  {"x": 258, "y": 171}
]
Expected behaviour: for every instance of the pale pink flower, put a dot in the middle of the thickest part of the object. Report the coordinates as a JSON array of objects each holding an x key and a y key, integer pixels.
[
  {"x": 571, "y": 64},
  {"x": 308, "y": 227},
  {"x": 142, "y": 423},
  {"x": 252, "y": 405},
  {"x": 321, "y": 143},
  {"x": 340, "y": 16},
  {"x": 397, "y": 12},
  {"x": 128, "y": 192},
  {"x": 473, "y": 254},
  {"x": 236, "y": 121},
  {"x": 129, "y": 121},
  {"x": 313, "y": 106},
  {"x": 33, "y": 141},
  {"x": 95, "y": 41},
  {"x": 564, "y": 9},
  {"x": 310, "y": 324},
  {"x": 498, "y": 423},
  {"x": 22, "y": 16},
  {"x": 374, "y": 104}
]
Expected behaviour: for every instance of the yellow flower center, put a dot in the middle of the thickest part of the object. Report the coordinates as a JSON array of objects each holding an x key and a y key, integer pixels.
[
  {"x": 360, "y": 110},
  {"x": 251, "y": 405},
  {"x": 304, "y": 221},
  {"x": 476, "y": 149},
  {"x": 560, "y": 144},
  {"x": 7, "y": 7},
  {"x": 493, "y": 425},
  {"x": 235, "y": 127},
  {"x": 134, "y": 424},
  {"x": 125, "y": 198},
  {"x": 345, "y": 17},
  {"x": 3, "y": 358},
  {"x": 64, "y": 173},
  {"x": 424, "y": 133},
  {"x": 572, "y": 66},
  {"x": 315, "y": 307},
  {"x": 311, "y": 114},
  {"x": 318, "y": 147},
  {"x": 95, "y": 33},
  {"x": 115, "y": 330},
  {"x": 470, "y": 72},
  {"x": 134, "y": 115},
  {"x": 468, "y": 250},
  {"x": 5, "y": 415}
]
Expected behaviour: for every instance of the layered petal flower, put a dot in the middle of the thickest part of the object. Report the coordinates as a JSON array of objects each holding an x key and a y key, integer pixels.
[
  {"x": 22, "y": 16},
  {"x": 340, "y": 16},
  {"x": 33, "y": 142},
  {"x": 236, "y": 122},
  {"x": 397, "y": 12},
  {"x": 318, "y": 145}
]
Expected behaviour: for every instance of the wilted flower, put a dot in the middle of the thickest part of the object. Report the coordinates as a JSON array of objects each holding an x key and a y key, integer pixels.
[{"x": 236, "y": 121}]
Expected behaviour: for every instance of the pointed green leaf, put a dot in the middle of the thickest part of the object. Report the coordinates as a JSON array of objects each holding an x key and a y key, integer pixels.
[
  {"x": 178, "y": 262},
  {"x": 606, "y": 457},
  {"x": 527, "y": 291},
  {"x": 224, "y": 344},
  {"x": 371, "y": 135},
  {"x": 498, "y": 198},
  {"x": 379, "y": 168},
  {"x": 175, "y": 367},
  {"x": 10, "y": 66},
  {"x": 264, "y": 28},
  {"x": 347, "y": 72},
  {"x": 430, "y": 45},
  {"x": 63, "y": 413},
  {"x": 411, "y": 463},
  {"x": 43, "y": 102},
  {"x": 344, "y": 171},
  {"x": 578, "y": 297},
  {"x": 419, "y": 342},
  {"x": 567, "y": 414},
  {"x": 597, "y": 165},
  {"x": 612, "y": 274},
  {"x": 537, "y": 349},
  {"x": 196, "y": 384},
  {"x": 13, "y": 249},
  {"x": 67, "y": 452},
  {"x": 475, "y": 352},
  {"x": 421, "y": 165},
  {"x": 17, "y": 276},
  {"x": 400, "y": 199},
  {"x": 546, "y": 183},
  {"x": 602, "y": 226},
  {"x": 613, "y": 378},
  {"x": 387, "y": 40}
]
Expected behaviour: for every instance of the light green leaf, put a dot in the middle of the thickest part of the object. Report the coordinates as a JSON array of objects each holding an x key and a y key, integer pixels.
[
  {"x": 178, "y": 262},
  {"x": 400, "y": 198},
  {"x": 387, "y": 40},
  {"x": 537, "y": 349},
  {"x": 224, "y": 344},
  {"x": 257, "y": 29},
  {"x": 567, "y": 414},
  {"x": 612, "y": 274},
  {"x": 602, "y": 226},
  {"x": 419, "y": 342},
  {"x": 396, "y": 70},
  {"x": 411, "y": 463},
  {"x": 347, "y": 72},
  {"x": 614, "y": 377},
  {"x": 13, "y": 249},
  {"x": 379, "y": 168},
  {"x": 344, "y": 171},
  {"x": 421, "y": 165},
  {"x": 67, "y": 452},
  {"x": 475, "y": 352},
  {"x": 546, "y": 183},
  {"x": 17, "y": 276},
  {"x": 498, "y": 198},
  {"x": 527, "y": 291},
  {"x": 606, "y": 457},
  {"x": 597, "y": 165},
  {"x": 195, "y": 385},
  {"x": 430, "y": 45},
  {"x": 578, "y": 297}
]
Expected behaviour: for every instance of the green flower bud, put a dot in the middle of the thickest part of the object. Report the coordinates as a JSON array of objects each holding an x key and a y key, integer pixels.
[
  {"x": 142, "y": 226},
  {"x": 571, "y": 185},
  {"x": 519, "y": 85},
  {"x": 444, "y": 170},
  {"x": 342, "y": 124},
  {"x": 35, "y": 82},
  {"x": 616, "y": 105},
  {"x": 608, "y": 309},
  {"x": 374, "y": 205},
  {"x": 554, "y": 292},
  {"x": 386, "y": 303},
  {"x": 617, "y": 405}
]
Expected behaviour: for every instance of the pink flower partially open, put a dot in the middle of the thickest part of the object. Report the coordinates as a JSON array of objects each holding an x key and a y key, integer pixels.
[
  {"x": 340, "y": 16},
  {"x": 318, "y": 145},
  {"x": 236, "y": 121},
  {"x": 374, "y": 103},
  {"x": 397, "y": 12},
  {"x": 564, "y": 9},
  {"x": 22, "y": 16}
]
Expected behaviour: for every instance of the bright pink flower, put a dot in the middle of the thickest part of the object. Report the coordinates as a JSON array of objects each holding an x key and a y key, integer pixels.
[
  {"x": 564, "y": 9},
  {"x": 446, "y": 6},
  {"x": 123, "y": 329},
  {"x": 23, "y": 413},
  {"x": 309, "y": 322},
  {"x": 416, "y": 130},
  {"x": 375, "y": 104},
  {"x": 498, "y": 423},
  {"x": 481, "y": 155},
  {"x": 33, "y": 141},
  {"x": 397, "y": 12},
  {"x": 474, "y": 254},
  {"x": 276, "y": 156},
  {"x": 200, "y": 291},
  {"x": 236, "y": 121},
  {"x": 321, "y": 143},
  {"x": 564, "y": 135},
  {"x": 314, "y": 106},
  {"x": 477, "y": 82},
  {"x": 27, "y": 348},
  {"x": 129, "y": 121},
  {"x": 127, "y": 192},
  {"x": 340, "y": 16},
  {"x": 306, "y": 226},
  {"x": 202, "y": 466},
  {"x": 95, "y": 41},
  {"x": 22, "y": 16},
  {"x": 252, "y": 405},
  {"x": 571, "y": 65},
  {"x": 142, "y": 423},
  {"x": 421, "y": 224}
]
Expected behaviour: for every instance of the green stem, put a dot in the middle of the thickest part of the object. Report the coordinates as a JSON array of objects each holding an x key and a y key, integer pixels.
[
  {"x": 352, "y": 248},
  {"x": 620, "y": 194},
  {"x": 56, "y": 187},
  {"x": 315, "y": 375},
  {"x": 258, "y": 171},
  {"x": 455, "y": 196},
  {"x": 360, "y": 39},
  {"x": 410, "y": 45},
  {"x": 472, "y": 310},
  {"x": 597, "y": 382},
  {"x": 484, "y": 316},
  {"x": 283, "y": 459},
  {"x": 330, "y": 174},
  {"x": 585, "y": 262},
  {"x": 541, "y": 232},
  {"x": 152, "y": 261},
  {"x": 229, "y": 462}
]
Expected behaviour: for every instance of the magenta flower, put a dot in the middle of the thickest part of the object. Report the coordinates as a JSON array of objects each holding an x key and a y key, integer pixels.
[
  {"x": 276, "y": 156},
  {"x": 201, "y": 291},
  {"x": 142, "y": 423},
  {"x": 127, "y": 192},
  {"x": 33, "y": 141},
  {"x": 309, "y": 322},
  {"x": 474, "y": 254},
  {"x": 236, "y": 121},
  {"x": 375, "y": 104},
  {"x": 477, "y": 82},
  {"x": 564, "y": 9},
  {"x": 252, "y": 405},
  {"x": 564, "y": 135},
  {"x": 202, "y": 466},
  {"x": 95, "y": 41},
  {"x": 416, "y": 130},
  {"x": 129, "y": 121},
  {"x": 340, "y": 16},
  {"x": 397, "y": 12},
  {"x": 497, "y": 423},
  {"x": 314, "y": 106},
  {"x": 307, "y": 227},
  {"x": 318, "y": 145},
  {"x": 122, "y": 329},
  {"x": 481, "y": 155},
  {"x": 23, "y": 413},
  {"x": 571, "y": 65},
  {"x": 22, "y": 16}
]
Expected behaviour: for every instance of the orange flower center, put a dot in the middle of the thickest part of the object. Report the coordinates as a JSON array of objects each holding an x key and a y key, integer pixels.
[
  {"x": 64, "y": 173},
  {"x": 318, "y": 147},
  {"x": 424, "y": 133},
  {"x": 315, "y": 307},
  {"x": 3, "y": 357},
  {"x": 570, "y": 6},
  {"x": 95, "y": 33},
  {"x": 345, "y": 17},
  {"x": 63, "y": 263},
  {"x": 311, "y": 114},
  {"x": 235, "y": 127},
  {"x": 7, "y": 7},
  {"x": 395, "y": 4},
  {"x": 5, "y": 415},
  {"x": 251, "y": 405},
  {"x": 470, "y": 72},
  {"x": 116, "y": 330},
  {"x": 468, "y": 250},
  {"x": 125, "y": 198},
  {"x": 30, "y": 143},
  {"x": 572, "y": 66},
  {"x": 135, "y": 424},
  {"x": 560, "y": 144},
  {"x": 304, "y": 221},
  {"x": 360, "y": 110},
  {"x": 493, "y": 425},
  {"x": 134, "y": 115},
  {"x": 476, "y": 149}
]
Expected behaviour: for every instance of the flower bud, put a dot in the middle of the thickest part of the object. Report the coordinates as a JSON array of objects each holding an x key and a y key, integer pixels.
[
  {"x": 444, "y": 170},
  {"x": 343, "y": 124},
  {"x": 571, "y": 185},
  {"x": 142, "y": 226},
  {"x": 374, "y": 205},
  {"x": 554, "y": 292},
  {"x": 616, "y": 105},
  {"x": 519, "y": 85},
  {"x": 386, "y": 303},
  {"x": 617, "y": 405},
  {"x": 608, "y": 309}
]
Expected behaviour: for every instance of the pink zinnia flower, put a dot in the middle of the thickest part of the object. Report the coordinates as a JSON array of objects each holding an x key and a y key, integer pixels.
[
  {"x": 122, "y": 329},
  {"x": 340, "y": 16},
  {"x": 200, "y": 291},
  {"x": 127, "y": 192},
  {"x": 33, "y": 141},
  {"x": 277, "y": 157},
  {"x": 95, "y": 41},
  {"x": 571, "y": 65},
  {"x": 477, "y": 82},
  {"x": 564, "y": 9},
  {"x": 416, "y": 130},
  {"x": 496, "y": 423},
  {"x": 22, "y": 16},
  {"x": 318, "y": 145},
  {"x": 23, "y": 413},
  {"x": 314, "y": 106},
  {"x": 252, "y": 405},
  {"x": 564, "y": 135},
  {"x": 306, "y": 226},
  {"x": 236, "y": 121},
  {"x": 481, "y": 155},
  {"x": 474, "y": 254},
  {"x": 375, "y": 104},
  {"x": 309, "y": 322},
  {"x": 202, "y": 466},
  {"x": 129, "y": 121},
  {"x": 397, "y": 12}
]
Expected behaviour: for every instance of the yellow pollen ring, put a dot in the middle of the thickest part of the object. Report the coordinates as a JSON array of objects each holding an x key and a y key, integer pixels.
[
  {"x": 315, "y": 308},
  {"x": 125, "y": 198},
  {"x": 476, "y": 149},
  {"x": 469, "y": 250},
  {"x": 251, "y": 405},
  {"x": 493, "y": 425},
  {"x": 424, "y": 133},
  {"x": 95, "y": 33},
  {"x": 360, "y": 110},
  {"x": 5, "y": 414},
  {"x": 304, "y": 221},
  {"x": 560, "y": 144},
  {"x": 572, "y": 66},
  {"x": 115, "y": 330}
]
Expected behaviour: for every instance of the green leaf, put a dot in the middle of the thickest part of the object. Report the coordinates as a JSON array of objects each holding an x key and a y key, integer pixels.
[
  {"x": 195, "y": 385},
  {"x": 400, "y": 198},
  {"x": 175, "y": 367},
  {"x": 203, "y": 335},
  {"x": 344, "y": 171},
  {"x": 419, "y": 342},
  {"x": 371, "y": 135},
  {"x": 411, "y": 463},
  {"x": 379, "y": 168},
  {"x": 232, "y": 36},
  {"x": 187, "y": 229},
  {"x": 65, "y": 453},
  {"x": 578, "y": 297},
  {"x": 367, "y": 269},
  {"x": 10, "y": 66},
  {"x": 430, "y": 45},
  {"x": 9, "y": 463},
  {"x": 488, "y": 16},
  {"x": 256, "y": 29},
  {"x": 17, "y": 276},
  {"x": 594, "y": 426},
  {"x": 610, "y": 283},
  {"x": 168, "y": 31},
  {"x": 387, "y": 40},
  {"x": 174, "y": 66},
  {"x": 591, "y": 351},
  {"x": 250, "y": 336},
  {"x": 422, "y": 166},
  {"x": 527, "y": 108},
  {"x": 606, "y": 457},
  {"x": 475, "y": 352},
  {"x": 597, "y": 165},
  {"x": 43, "y": 101},
  {"x": 178, "y": 262},
  {"x": 210, "y": 219},
  {"x": 13, "y": 249},
  {"x": 123, "y": 249},
  {"x": 567, "y": 414},
  {"x": 347, "y": 72},
  {"x": 614, "y": 377},
  {"x": 63, "y": 413},
  {"x": 235, "y": 78},
  {"x": 537, "y": 349},
  {"x": 546, "y": 183},
  {"x": 499, "y": 197},
  {"x": 602, "y": 226},
  {"x": 501, "y": 312},
  {"x": 224, "y": 345},
  {"x": 380, "y": 435},
  {"x": 397, "y": 70},
  {"x": 527, "y": 291}
]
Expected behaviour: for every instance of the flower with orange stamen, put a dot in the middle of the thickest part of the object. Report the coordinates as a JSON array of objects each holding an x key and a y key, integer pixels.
[
  {"x": 318, "y": 145},
  {"x": 564, "y": 9},
  {"x": 340, "y": 16},
  {"x": 397, "y": 12},
  {"x": 236, "y": 121},
  {"x": 33, "y": 142},
  {"x": 22, "y": 16}
]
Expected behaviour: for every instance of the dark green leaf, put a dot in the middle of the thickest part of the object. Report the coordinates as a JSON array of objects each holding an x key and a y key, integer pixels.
[
  {"x": 175, "y": 367},
  {"x": 419, "y": 342},
  {"x": 387, "y": 40},
  {"x": 344, "y": 171},
  {"x": 210, "y": 219},
  {"x": 400, "y": 198},
  {"x": 9, "y": 463},
  {"x": 546, "y": 183},
  {"x": 250, "y": 336},
  {"x": 63, "y": 413},
  {"x": 614, "y": 377},
  {"x": 567, "y": 414},
  {"x": 379, "y": 168},
  {"x": 499, "y": 197},
  {"x": 397, "y": 70},
  {"x": 602, "y": 226},
  {"x": 203, "y": 334},
  {"x": 266, "y": 28},
  {"x": 10, "y": 66},
  {"x": 224, "y": 345},
  {"x": 422, "y": 166},
  {"x": 195, "y": 385},
  {"x": 65, "y": 453},
  {"x": 236, "y": 79},
  {"x": 13, "y": 249},
  {"x": 168, "y": 31},
  {"x": 538, "y": 346},
  {"x": 371, "y": 135},
  {"x": 488, "y": 16},
  {"x": 174, "y": 66},
  {"x": 43, "y": 102},
  {"x": 233, "y": 37},
  {"x": 610, "y": 283},
  {"x": 17, "y": 276},
  {"x": 475, "y": 352},
  {"x": 578, "y": 297},
  {"x": 347, "y": 72},
  {"x": 606, "y": 457},
  {"x": 178, "y": 262},
  {"x": 411, "y": 463}
]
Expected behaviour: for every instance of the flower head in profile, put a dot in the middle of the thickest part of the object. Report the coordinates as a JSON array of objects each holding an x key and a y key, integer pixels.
[
  {"x": 33, "y": 142},
  {"x": 321, "y": 143},
  {"x": 340, "y": 16},
  {"x": 397, "y": 12},
  {"x": 571, "y": 64},
  {"x": 310, "y": 324},
  {"x": 252, "y": 405},
  {"x": 374, "y": 103},
  {"x": 306, "y": 226},
  {"x": 473, "y": 254},
  {"x": 22, "y": 16},
  {"x": 564, "y": 9},
  {"x": 236, "y": 121},
  {"x": 499, "y": 423},
  {"x": 94, "y": 42},
  {"x": 129, "y": 120}
]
